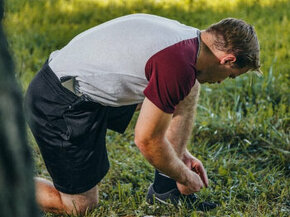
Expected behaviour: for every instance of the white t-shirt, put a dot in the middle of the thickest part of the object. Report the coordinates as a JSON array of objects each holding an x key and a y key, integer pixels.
[{"x": 113, "y": 63}]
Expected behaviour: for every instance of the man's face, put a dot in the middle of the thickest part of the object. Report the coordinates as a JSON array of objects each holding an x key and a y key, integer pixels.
[{"x": 218, "y": 73}]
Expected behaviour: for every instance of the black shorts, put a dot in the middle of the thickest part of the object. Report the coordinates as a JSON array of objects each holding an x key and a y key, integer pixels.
[{"x": 70, "y": 132}]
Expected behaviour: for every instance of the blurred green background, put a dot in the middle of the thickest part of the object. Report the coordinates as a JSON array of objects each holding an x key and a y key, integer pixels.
[{"x": 242, "y": 125}]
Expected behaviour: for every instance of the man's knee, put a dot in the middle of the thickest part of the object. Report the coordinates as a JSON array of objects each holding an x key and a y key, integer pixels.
[{"x": 80, "y": 203}]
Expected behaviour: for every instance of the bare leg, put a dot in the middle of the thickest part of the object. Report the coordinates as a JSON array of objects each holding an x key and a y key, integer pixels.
[{"x": 51, "y": 200}]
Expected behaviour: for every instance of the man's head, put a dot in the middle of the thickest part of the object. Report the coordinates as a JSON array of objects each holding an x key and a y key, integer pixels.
[{"x": 229, "y": 48}]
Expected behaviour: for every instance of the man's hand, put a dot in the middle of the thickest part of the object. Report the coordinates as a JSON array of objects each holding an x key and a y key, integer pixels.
[
  {"x": 199, "y": 173},
  {"x": 191, "y": 187}
]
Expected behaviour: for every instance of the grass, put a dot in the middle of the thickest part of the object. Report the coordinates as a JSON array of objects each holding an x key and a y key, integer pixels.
[{"x": 242, "y": 126}]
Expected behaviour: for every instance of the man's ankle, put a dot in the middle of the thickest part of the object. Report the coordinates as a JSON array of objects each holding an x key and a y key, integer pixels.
[{"x": 163, "y": 183}]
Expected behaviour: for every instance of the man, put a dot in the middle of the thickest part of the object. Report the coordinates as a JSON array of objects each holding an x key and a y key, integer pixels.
[{"x": 96, "y": 82}]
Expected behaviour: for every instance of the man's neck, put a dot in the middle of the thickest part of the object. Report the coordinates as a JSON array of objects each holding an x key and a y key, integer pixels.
[
  {"x": 208, "y": 54},
  {"x": 203, "y": 52}
]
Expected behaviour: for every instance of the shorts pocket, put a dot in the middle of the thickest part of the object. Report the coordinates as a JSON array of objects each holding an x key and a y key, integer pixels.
[
  {"x": 83, "y": 117},
  {"x": 57, "y": 118}
]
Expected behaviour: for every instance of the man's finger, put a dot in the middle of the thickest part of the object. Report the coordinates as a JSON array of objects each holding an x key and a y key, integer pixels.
[
  {"x": 203, "y": 176},
  {"x": 199, "y": 180},
  {"x": 201, "y": 172}
]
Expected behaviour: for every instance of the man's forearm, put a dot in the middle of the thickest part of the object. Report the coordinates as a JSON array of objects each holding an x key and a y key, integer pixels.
[
  {"x": 181, "y": 125},
  {"x": 161, "y": 155}
]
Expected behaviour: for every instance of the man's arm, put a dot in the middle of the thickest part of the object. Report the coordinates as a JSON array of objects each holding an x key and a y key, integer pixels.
[
  {"x": 180, "y": 129},
  {"x": 150, "y": 137}
]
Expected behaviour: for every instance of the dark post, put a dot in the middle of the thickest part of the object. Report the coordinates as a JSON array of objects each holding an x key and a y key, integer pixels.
[{"x": 17, "y": 196}]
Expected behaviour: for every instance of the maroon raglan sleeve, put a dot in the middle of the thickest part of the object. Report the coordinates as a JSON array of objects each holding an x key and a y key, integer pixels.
[{"x": 171, "y": 74}]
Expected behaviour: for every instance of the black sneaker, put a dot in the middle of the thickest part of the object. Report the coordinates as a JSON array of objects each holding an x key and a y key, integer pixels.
[{"x": 177, "y": 199}]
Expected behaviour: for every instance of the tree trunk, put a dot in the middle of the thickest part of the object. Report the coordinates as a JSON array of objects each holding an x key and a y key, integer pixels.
[{"x": 17, "y": 196}]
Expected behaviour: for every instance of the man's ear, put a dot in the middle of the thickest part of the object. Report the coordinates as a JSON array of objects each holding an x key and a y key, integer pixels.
[{"x": 228, "y": 59}]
